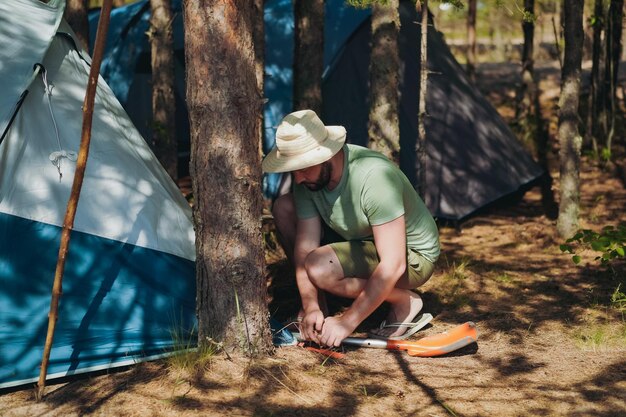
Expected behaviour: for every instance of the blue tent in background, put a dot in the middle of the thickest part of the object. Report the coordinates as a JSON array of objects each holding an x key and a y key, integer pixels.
[{"x": 473, "y": 157}]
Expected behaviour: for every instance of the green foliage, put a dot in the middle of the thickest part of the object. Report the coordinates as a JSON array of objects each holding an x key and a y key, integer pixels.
[
  {"x": 610, "y": 243},
  {"x": 363, "y": 4},
  {"x": 595, "y": 20},
  {"x": 528, "y": 17},
  {"x": 618, "y": 299}
]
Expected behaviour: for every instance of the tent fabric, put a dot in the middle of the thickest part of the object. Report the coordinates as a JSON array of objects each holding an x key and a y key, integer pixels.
[
  {"x": 16, "y": 62},
  {"x": 130, "y": 273},
  {"x": 473, "y": 157}
]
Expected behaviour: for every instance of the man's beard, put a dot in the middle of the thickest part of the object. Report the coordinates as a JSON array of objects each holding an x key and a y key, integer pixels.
[{"x": 323, "y": 179}]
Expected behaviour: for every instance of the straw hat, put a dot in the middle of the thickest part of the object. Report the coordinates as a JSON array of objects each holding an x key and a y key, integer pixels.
[{"x": 302, "y": 141}]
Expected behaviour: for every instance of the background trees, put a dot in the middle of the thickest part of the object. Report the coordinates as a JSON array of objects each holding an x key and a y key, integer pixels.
[
  {"x": 163, "y": 100},
  {"x": 384, "y": 72},
  {"x": 569, "y": 138},
  {"x": 308, "y": 54}
]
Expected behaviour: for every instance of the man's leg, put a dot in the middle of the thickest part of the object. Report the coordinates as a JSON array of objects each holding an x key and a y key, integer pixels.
[
  {"x": 326, "y": 272},
  {"x": 285, "y": 220}
]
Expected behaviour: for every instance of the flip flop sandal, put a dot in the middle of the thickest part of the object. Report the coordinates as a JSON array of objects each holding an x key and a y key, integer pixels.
[{"x": 412, "y": 327}]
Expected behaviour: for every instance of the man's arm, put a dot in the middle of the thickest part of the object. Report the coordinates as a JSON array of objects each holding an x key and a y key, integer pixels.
[
  {"x": 390, "y": 241},
  {"x": 308, "y": 236}
]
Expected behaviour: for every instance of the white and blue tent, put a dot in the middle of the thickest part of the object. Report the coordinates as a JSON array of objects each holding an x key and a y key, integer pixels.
[{"x": 129, "y": 276}]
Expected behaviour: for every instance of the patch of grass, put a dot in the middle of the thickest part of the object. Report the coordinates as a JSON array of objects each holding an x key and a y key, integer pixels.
[
  {"x": 187, "y": 357},
  {"x": 601, "y": 336},
  {"x": 363, "y": 390},
  {"x": 456, "y": 271},
  {"x": 503, "y": 278},
  {"x": 454, "y": 289}
]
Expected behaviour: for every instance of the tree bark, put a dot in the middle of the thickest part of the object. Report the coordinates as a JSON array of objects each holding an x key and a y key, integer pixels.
[
  {"x": 384, "y": 69},
  {"x": 527, "y": 96},
  {"x": 225, "y": 104},
  {"x": 259, "y": 63},
  {"x": 423, "y": 94},
  {"x": 471, "y": 39},
  {"x": 163, "y": 79},
  {"x": 569, "y": 137},
  {"x": 76, "y": 15},
  {"x": 613, "y": 56},
  {"x": 592, "y": 129},
  {"x": 308, "y": 62}
]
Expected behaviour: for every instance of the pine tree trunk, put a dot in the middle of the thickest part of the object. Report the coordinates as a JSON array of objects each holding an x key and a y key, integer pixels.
[
  {"x": 471, "y": 39},
  {"x": 76, "y": 15},
  {"x": 527, "y": 96},
  {"x": 569, "y": 137},
  {"x": 592, "y": 130},
  {"x": 423, "y": 94},
  {"x": 384, "y": 69},
  {"x": 308, "y": 62},
  {"x": 259, "y": 61},
  {"x": 225, "y": 104},
  {"x": 163, "y": 98},
  {"x": 613, "y": 55}
]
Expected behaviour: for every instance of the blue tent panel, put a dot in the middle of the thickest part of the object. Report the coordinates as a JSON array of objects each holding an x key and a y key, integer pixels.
[{"x": 116, "y": 305}]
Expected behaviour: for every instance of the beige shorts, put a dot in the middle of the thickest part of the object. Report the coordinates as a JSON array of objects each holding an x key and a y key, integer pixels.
[{"x": 359, "y": 259}]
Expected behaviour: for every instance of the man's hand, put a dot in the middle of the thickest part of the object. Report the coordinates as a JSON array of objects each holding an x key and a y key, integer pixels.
[
  {"x": 335, "y": 330},
  {"x": 312, "y": 324}
]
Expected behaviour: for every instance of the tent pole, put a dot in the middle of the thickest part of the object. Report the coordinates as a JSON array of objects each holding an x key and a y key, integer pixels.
[{"x": 70, "y": 213}]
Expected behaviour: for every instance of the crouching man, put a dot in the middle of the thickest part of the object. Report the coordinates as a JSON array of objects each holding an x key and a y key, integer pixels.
[{"x": 385, "y": 241}]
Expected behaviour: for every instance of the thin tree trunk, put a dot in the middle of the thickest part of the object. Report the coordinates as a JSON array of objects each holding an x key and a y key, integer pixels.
[
  {"x": 569, "y": 137},
  {"x": 76, "y": 15},
  {"x": 225, "y": 104},
  {"x": 527, "y": 94},
  {"x": 384, "y": 69},
  {"x": 592, "y": 130},
  {"x": 535, "y": 133},
  {"x": 308, "y": 62},
  {"x": 72, "y": 204},
  {"x": 471, "y": 39},
  {"x": 613, "y": 56},
  {"x": 557, "y": 40},
  {"x": 163, "y": 79},
  {"x": 423, "y": 94}
]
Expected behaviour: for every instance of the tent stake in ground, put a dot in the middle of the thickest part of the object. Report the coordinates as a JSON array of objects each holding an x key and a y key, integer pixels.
[{"x": 70, "y": 212}]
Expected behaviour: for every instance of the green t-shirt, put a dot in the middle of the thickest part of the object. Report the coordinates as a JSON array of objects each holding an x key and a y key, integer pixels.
[{"x": 372, "y": 191}]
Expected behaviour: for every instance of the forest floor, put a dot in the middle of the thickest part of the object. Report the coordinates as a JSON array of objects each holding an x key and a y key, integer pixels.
[{"x": 552, "y": 341}]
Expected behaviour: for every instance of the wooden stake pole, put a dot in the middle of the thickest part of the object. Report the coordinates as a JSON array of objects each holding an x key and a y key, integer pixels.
[{"x": 70, "y": 213}]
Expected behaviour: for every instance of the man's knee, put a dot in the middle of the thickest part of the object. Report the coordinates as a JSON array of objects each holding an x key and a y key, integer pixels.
[{"x": 322, "y": 268}]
